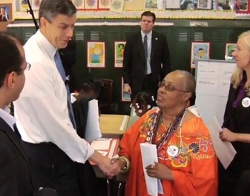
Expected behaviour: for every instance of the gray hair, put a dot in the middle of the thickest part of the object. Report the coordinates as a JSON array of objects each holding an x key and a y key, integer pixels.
[
  {"x": 190, "y": 84},
  {"x": 49, "y": 9}
]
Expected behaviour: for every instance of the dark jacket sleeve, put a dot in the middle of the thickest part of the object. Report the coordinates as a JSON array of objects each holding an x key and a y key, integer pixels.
[
  {"x": 127, "y": 61},
  {"x": 8, "y": 181},
  {"x": 80, "y": 108},
  {"x": 229, "y": 110},
  {"x": 166, "y": 62}
]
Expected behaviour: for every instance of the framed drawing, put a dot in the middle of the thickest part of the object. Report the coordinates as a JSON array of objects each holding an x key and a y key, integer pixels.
[
  {"x": 204, "y": 4},
  {"x": 242, "y": 6},
  {"x": 125, "y": 96},
  {"x": 199, "y": 50},
  {"x": 119, "y": 51},
  {"x": 230, "y": 48},
  {"x": 96, "y": 54},
  {"x": 5, "y": 12},
  {"x": 225, "y": 5}
]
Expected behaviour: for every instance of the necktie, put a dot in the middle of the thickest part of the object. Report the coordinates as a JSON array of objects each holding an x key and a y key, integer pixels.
[
  {"x": 145, "y": 45},
  {"x": 17, "y": 132},
  {"x": 63, "y": 75}
]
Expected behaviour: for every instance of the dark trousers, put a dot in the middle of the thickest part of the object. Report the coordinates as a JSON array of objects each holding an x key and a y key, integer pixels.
[
  {"x": 51, "y": 167},
  {"x": 149, "y": 85}
]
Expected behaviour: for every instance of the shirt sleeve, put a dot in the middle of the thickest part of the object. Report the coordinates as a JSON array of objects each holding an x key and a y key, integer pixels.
[{"x": 43, "y": 113}]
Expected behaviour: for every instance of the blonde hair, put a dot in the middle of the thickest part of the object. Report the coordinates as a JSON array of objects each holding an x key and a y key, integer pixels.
[{"x": 238, "y": 74}]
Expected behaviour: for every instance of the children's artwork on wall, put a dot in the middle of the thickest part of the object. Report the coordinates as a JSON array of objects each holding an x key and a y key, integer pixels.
[
  {"x": 230, "y": 48},
  {"x": 225, "y": 5},
  {"x": 119, "y": 51},
  {"x": 199, "y": 51},
  {"x": 151, "y": 4},
  {"x": 125, "y": 96},
  {"x": 5, "y": 12},
  {"x": 90, "y": 4},
  {"x": 117, "y": 6},
  {"x": 35, "y": 4},
  {"x": 242, "y": 6},
  {"x": 104, "y": 4},
  {"x": 96, "y": 54},
  {"x": 204, "y": 4}
]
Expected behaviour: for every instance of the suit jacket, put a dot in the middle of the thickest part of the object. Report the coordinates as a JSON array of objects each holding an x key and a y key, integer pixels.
[
  {"x": 15, "y": 176},
  {"x": 237, "y": 120},
  {"x": 134, "y": 63}
]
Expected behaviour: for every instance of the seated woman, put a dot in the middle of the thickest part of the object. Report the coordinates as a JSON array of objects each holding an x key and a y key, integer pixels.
[
  {"x": 143, "y": 102},
  {"x": 187, "y": 163}
]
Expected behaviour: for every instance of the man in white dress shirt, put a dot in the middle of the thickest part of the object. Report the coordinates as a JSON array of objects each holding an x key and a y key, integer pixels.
[{"x": 42, "y": 114}]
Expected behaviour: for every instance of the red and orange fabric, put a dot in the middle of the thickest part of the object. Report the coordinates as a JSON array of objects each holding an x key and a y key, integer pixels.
[{"x": 194, "y": 168}]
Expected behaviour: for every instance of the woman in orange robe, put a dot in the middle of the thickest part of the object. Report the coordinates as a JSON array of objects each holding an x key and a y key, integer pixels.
[{"x": 187, "y": 164}]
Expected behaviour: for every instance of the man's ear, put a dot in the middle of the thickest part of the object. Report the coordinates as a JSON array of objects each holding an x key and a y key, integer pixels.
[
  {"x": 43, "y": 22},
  {"x": 10, "y": 79}
]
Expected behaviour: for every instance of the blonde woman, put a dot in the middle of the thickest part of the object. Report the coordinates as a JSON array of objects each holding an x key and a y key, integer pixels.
[{"x": 235, "y": 180}]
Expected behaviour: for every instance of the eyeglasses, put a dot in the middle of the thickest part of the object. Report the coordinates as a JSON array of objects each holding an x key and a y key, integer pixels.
[
  {"x": 170, "y": 87},
  {"x": 27, "y": 68}
]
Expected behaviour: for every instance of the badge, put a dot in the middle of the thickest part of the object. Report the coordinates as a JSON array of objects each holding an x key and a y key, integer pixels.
[
  {"x": 172, "y": 151},
  {"x": 246, "y": 102}
]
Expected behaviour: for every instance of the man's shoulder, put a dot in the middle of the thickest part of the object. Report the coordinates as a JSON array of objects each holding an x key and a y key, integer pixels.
[
  {"x": 134, "y": 35},
  {"x": 156, "y": 33}
]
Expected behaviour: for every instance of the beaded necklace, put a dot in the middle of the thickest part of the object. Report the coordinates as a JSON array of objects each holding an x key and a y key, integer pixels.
[{"x": 167, "y": 134}]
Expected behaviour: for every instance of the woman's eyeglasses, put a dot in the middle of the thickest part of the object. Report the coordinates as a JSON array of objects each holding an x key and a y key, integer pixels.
[{"x": 170, "y": 87}]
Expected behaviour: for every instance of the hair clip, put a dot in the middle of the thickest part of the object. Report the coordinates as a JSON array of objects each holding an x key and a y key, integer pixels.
[
  {"x": 148, "y": 106},
  {"x": 140, "y": 110},
  {"x": 153, "y": 99},
  {"x": 137, "y": 105}
]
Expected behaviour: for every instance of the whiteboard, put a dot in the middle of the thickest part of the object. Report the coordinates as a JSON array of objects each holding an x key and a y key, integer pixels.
[{"x": 212, "y": 87}]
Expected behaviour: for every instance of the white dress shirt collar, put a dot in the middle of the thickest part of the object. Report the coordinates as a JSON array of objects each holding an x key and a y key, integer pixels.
[
  {"x": 148, "y": 34},
  {"x": 7, "y": 117},
  {"x": 46, "y": 45}
]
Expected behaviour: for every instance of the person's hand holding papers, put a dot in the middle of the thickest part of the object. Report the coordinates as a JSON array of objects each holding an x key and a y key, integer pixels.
[{"x": 160, "y": 171}]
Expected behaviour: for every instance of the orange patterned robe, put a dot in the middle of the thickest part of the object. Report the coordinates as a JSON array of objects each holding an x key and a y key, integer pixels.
[{"x": 194, "y": 168}]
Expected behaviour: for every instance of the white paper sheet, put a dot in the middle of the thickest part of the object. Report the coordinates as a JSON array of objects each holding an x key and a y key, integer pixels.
[
  {"x": 93, "y": 130},
  {"x": 224, "y": 150},
  {"x": 149, "y": 157},
  {"x": 102, "y": 145}
]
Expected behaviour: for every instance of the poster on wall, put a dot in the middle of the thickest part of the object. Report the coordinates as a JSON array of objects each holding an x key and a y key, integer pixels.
[
  {"x": 204, "y": 4},
  {"x": 230, "y": 48},
  {"x": 199, "y": 51},
  {"x": 90, "y": 4},
  {"x": 104, "y": 4},
  {"x": 125, "y": 96},
  {"x": 5, "y": 12},
  {"x": 96, "y": 54},
  {"x": 35, "y": 4},
  {"x": 119, "y": 52},
  {"x": 117, "y": 6},
  {"x": 242, "y": 6}
]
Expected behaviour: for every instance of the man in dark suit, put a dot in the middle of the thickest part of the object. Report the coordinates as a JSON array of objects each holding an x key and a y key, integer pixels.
[
  {"x": 146, "y": 58},
  {"x": 15, "y": 175},
  {"x": 15, "y": 178},
  {"x": 3, "y": 15}
]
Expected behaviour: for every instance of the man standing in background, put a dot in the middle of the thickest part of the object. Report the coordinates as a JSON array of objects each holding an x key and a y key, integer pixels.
[{"x": 146, "y": 58}]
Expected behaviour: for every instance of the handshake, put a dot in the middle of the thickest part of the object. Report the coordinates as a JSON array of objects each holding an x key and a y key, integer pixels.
[{"x": 112, "y": 167}]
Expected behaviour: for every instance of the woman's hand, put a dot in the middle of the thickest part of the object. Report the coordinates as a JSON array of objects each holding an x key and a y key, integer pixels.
[
  {"x": 159, "y": 170},
  {"x": 227, "y": 135}
]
